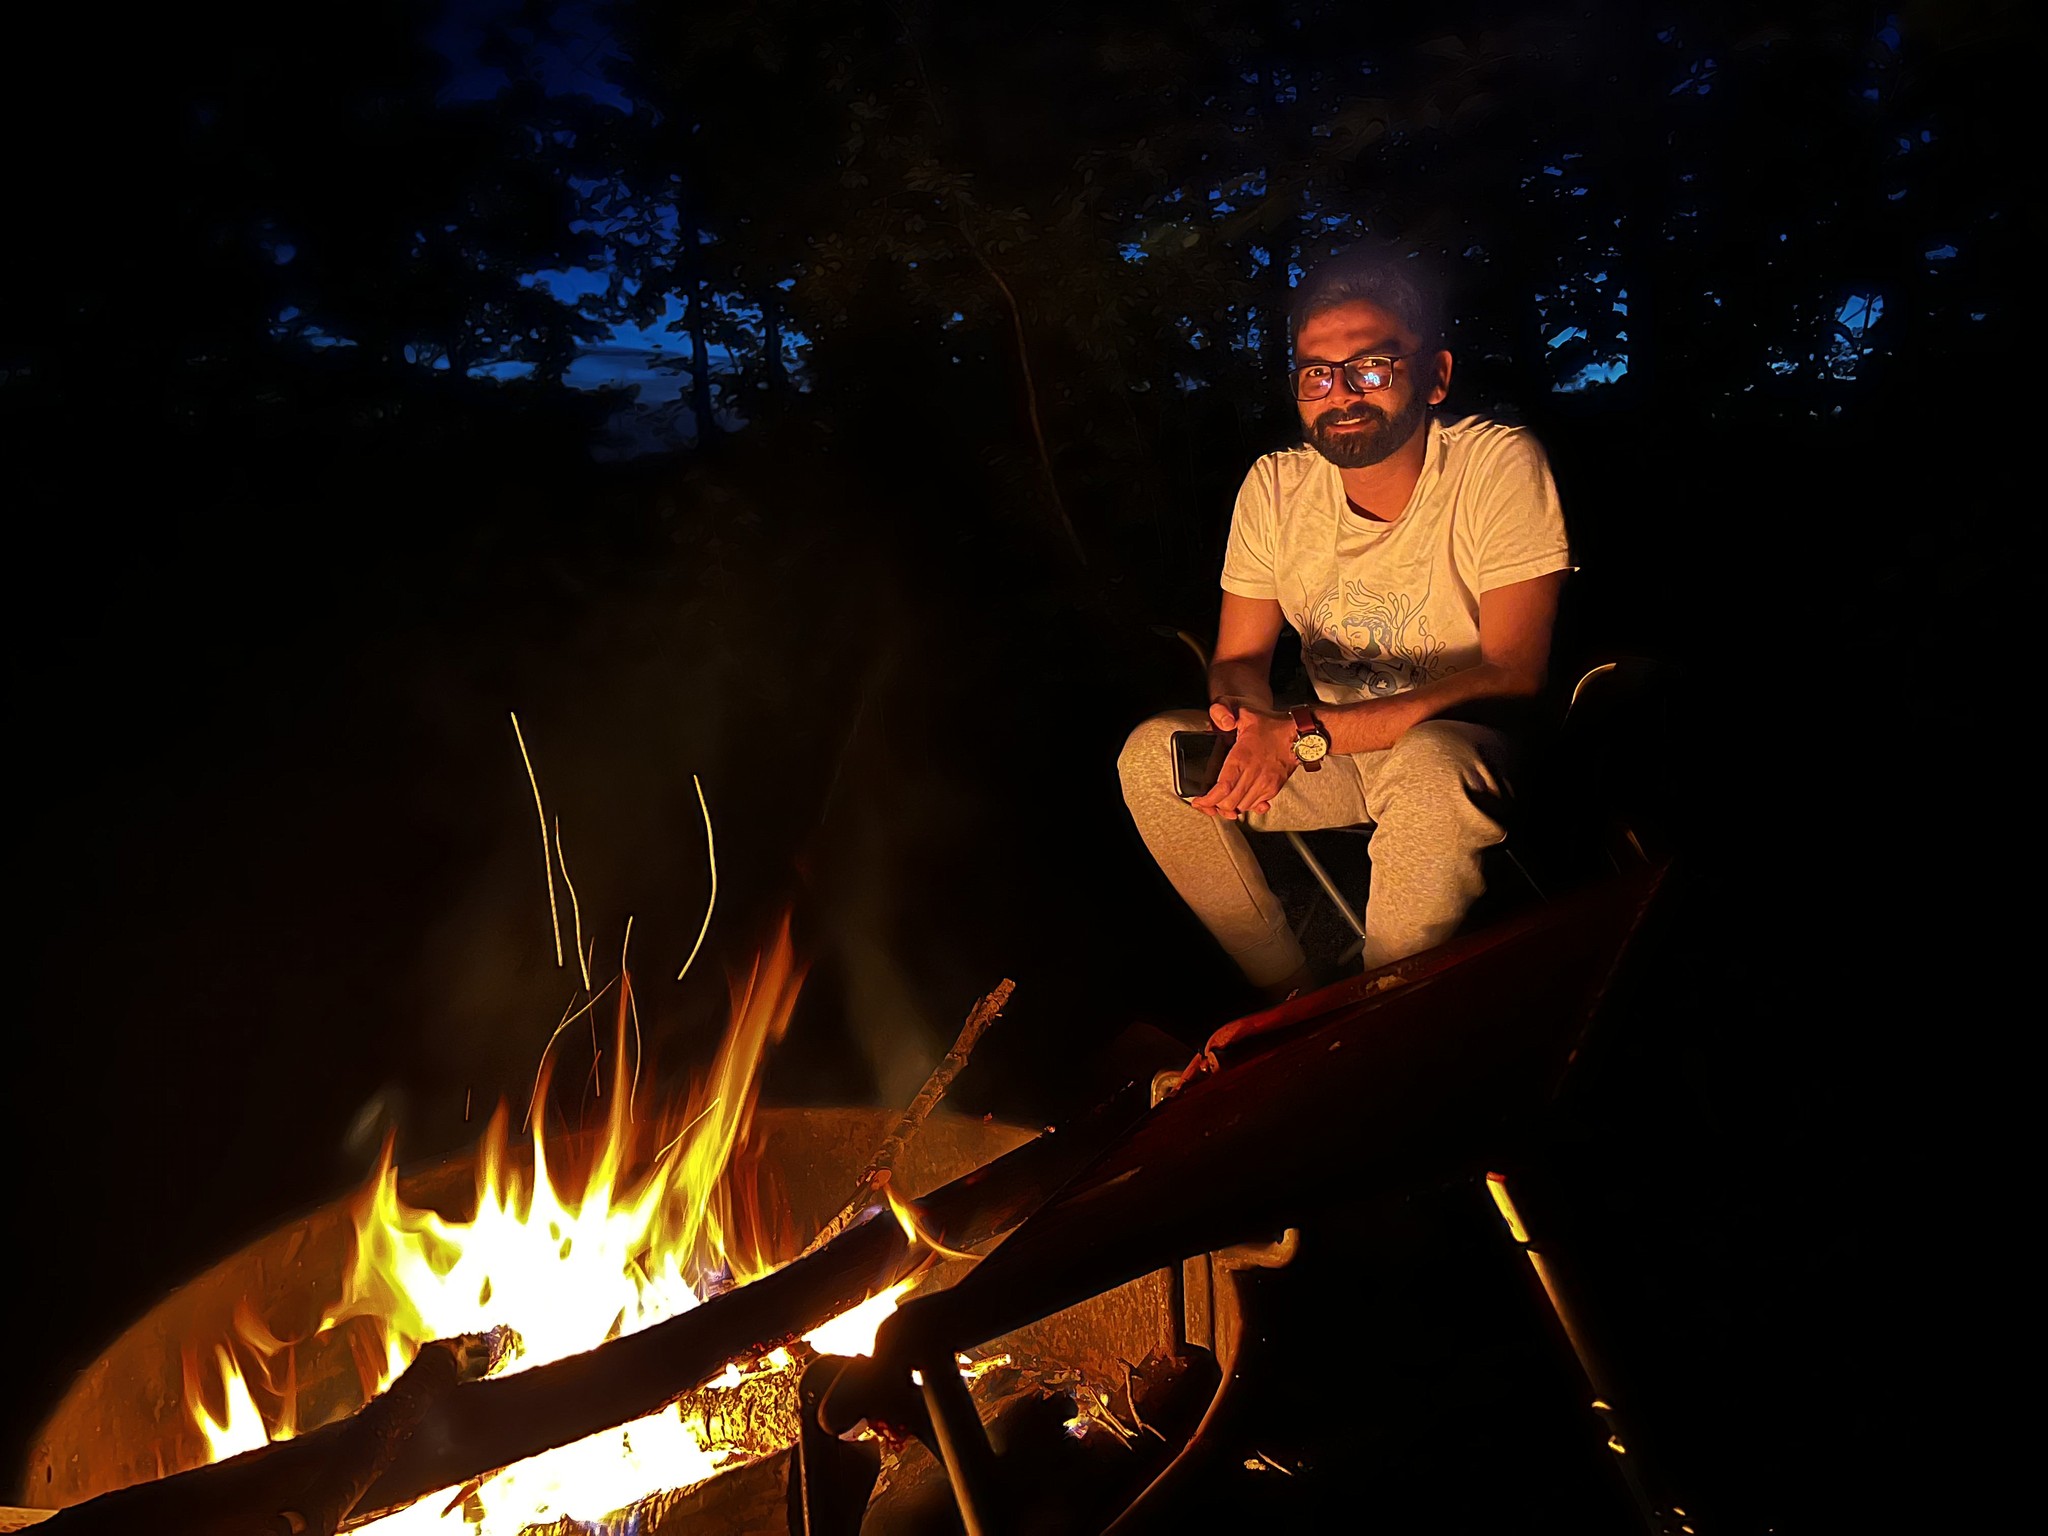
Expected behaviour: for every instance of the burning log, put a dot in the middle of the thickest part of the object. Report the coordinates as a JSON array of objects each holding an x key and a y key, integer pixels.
[
  {"x": 485, "y": 1425},
  {"x": 367, "y": 1442}
]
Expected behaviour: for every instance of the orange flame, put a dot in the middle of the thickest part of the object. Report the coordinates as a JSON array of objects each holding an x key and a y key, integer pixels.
[
  {"x": 909, "y": 1217},
  {"x": 565, "y": 1268},
  {"x": 569, "y": 1270}
]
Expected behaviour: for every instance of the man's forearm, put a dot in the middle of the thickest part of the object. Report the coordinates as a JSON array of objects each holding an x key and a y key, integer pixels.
[
  {"x": 1373, "y": 725},
  {"x": 1243, "y": 681}
]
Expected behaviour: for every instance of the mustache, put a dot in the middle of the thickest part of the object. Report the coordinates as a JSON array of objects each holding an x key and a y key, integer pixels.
[{"x": 1356, "y": 413}]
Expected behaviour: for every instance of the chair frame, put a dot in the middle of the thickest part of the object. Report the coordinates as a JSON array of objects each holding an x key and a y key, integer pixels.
[{"x": 1589, "y": 679}]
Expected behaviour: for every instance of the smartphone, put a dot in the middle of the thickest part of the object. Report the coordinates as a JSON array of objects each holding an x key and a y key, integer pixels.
[{"x": 1197, "y": 759}]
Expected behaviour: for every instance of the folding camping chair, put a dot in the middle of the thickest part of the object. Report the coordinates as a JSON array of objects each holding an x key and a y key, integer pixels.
[{"x": 1573, "y": 814}]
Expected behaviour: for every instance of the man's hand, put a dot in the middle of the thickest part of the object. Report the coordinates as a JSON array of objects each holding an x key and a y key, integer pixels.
[
  {"x": 1224, "y": 710},
  {"x": 1258, "y": 764}
]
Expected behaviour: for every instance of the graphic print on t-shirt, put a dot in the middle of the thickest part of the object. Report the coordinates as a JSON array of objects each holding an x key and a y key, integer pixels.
[{"x": 1381, "y": 646}]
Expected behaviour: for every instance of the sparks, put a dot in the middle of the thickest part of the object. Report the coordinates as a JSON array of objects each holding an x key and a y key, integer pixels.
[
  {"x": 575, "y": 907},
  {"x": 626, "y": 980},
  {"x": 547, "y": 861},
  {"x": 710, "y": 852},
  {"x": 540, "y": 1066}
]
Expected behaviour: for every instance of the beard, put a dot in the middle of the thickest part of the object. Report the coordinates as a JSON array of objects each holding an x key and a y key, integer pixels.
[{"x": 1380, "y": 437}]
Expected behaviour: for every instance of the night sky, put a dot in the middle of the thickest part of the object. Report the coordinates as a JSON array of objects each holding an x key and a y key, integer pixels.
[{"x": 376, "y": 373}]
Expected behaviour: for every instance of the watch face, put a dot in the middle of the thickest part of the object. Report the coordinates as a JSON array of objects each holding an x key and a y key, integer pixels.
[{"x": 1312, "y": 748}]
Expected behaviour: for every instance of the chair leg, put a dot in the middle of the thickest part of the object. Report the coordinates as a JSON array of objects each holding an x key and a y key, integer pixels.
[
  {"x": 1322, "y": 876},
  {"x": 1657, "y": 1519},
  {"x": 831, "y": 1480},
  {"x": 963, "y": 1448}
]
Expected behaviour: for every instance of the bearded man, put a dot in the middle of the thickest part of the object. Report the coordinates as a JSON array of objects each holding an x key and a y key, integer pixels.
[{"x": 1420, "y": 562}]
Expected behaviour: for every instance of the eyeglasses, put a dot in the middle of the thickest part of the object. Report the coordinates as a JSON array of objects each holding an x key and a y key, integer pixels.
[{"x": 1362, "y": 375}]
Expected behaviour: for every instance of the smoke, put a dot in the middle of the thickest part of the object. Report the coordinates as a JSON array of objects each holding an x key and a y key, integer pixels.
[{"x": 379, "y": 1120}]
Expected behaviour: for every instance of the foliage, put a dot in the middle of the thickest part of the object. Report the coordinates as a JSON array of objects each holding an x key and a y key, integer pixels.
[
  {"x": 1102, "y": 208},
  {"x": 1102, "y": 211},
  {"x": 238, "y": 221},
  {"x": 1063, "y": 247}
]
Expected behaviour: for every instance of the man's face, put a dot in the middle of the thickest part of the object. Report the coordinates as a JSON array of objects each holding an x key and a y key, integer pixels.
[{"x": 1355, "y": 430}]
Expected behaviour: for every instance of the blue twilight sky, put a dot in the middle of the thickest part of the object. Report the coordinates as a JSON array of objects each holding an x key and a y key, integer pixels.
[
  {"x": 573, "y": 61},
  {"x": 571, "y": 64}
]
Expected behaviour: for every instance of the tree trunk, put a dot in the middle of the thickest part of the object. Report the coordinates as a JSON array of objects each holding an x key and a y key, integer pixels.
[
  {"x": 771, "y": 342},
  {"x": 1278, "y": 339},
  {"x": 697, "y": 322}
]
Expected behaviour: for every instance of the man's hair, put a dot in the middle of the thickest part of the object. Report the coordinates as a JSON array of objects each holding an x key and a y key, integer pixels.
[{"x": 1401, "y": 285}]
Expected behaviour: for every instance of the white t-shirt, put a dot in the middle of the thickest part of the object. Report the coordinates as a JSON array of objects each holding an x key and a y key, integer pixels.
[{"x": 1385, "y": 607}]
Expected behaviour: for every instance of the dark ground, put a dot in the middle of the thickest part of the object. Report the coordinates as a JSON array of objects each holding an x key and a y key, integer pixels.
[{"x": 276, "y": 857}]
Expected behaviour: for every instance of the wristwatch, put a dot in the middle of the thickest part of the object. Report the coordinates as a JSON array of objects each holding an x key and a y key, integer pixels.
[{"x": 1311, "y": 741}]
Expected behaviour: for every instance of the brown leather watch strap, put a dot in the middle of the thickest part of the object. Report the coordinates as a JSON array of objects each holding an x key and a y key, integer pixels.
[{"x": 1306, "y": 724}]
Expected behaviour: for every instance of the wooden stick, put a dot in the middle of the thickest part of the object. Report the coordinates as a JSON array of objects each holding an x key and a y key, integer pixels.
[{"x": 883, "y": 1163}]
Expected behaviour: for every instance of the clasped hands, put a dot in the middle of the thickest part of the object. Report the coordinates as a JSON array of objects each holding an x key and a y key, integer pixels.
[{"x": 1258, "y": 764}]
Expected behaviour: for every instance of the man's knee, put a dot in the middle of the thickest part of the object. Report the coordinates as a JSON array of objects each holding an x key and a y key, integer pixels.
[
  {"x": 1146, "y": 763},
  {"x": 1442, "y": 781},
  {"x": 1448, "y": 757}
]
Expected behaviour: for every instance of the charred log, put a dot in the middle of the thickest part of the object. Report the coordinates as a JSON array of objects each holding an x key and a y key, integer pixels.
[{"x": 367, "y": 1443}]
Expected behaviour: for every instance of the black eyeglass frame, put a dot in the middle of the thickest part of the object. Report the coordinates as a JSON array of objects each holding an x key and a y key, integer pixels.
[{"x": 1354, "y": 370}]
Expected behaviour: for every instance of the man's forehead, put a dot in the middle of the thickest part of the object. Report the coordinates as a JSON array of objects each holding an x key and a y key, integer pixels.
[{"x": 1358, "y": 325}]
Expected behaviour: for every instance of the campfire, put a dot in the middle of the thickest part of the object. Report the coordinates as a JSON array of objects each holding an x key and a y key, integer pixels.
[
  {"x": 631, "y": 1328},
  {"x": 537, "y": 1252},
  {"x": 563, "y": 1263},
  {"x": 538, "y": 1303}
]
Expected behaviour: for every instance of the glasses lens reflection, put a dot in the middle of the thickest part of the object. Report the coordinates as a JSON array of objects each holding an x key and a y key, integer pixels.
[{"x": 1361, "y": 376}]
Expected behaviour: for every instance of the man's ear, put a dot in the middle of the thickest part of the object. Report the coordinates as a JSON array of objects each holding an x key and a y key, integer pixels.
[{"x": 1441, "y": 389}]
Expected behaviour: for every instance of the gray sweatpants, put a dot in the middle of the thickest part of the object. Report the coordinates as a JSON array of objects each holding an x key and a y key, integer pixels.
[{"x": 1433, "y": 799}]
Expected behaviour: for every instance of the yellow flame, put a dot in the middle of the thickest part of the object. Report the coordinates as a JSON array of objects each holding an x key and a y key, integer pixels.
[
  {"x": 567, "y": 1265},
  {"x": 914, "y": 1229},
  {"x": 240, "y": 1427},
  {"x": 567, "y": 1270},
  {"x": 853, "y": 1332}
]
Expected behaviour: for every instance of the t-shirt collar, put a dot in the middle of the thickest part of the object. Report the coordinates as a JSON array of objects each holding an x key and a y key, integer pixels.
[{"x": 1433, "y": 451}]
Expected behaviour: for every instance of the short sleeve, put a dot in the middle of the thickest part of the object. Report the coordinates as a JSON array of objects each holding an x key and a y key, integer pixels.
[
  {"x": 1521, "y": 522},
  {"x": 1254, "y": 535}
]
